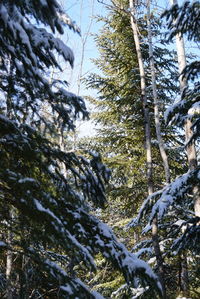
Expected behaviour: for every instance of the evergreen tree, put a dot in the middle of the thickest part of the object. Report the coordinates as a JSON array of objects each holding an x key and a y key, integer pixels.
[
  {"x": 46, "y": 225},
  {"x": 120, "y": 115},
  {"x": 119, "y": 108},
  {"x": 177, "y": 205}
]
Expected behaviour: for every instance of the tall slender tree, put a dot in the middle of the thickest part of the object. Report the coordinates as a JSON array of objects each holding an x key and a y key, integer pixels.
[
  {"x": 190, "y": 145},
  {"x": 191, "y": 152},
  {"x": 143, "y": 98},
  {"x": 121, "y": 135},
  {"x": 155, "y": 97},
  {"x": 175, "y": 201},
  {"x": 155, "y": 237},
  {"x": 52, "y": 224}
]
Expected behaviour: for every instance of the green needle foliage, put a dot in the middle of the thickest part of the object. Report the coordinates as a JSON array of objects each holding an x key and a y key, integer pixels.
[
  {"x": 119, "y": 115},
  {"x": 46, "y": 193},
  {"x": 119, "y": 112}
]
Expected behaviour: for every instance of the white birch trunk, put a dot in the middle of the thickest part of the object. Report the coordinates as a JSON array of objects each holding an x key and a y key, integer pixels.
[
  {"x": 9, "y": 259},
  {"x": 191, "y": 155},
  {"x": 144, "y": 100},
  {"x": 9, "y": 264},
  {"x": 191, "y": 151},
  {"x": 148, "y": 143},
  {"x": 155, "y": 97}
]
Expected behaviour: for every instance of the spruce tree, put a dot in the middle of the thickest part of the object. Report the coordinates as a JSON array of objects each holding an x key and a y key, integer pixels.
[
  {"x": 176, "y": 205},
  {"x": 119, "y": 111},
  {"x": 187, "y": 107},
  {"x": 121, "y": 137},
  {"x": 46, "y": 193}
]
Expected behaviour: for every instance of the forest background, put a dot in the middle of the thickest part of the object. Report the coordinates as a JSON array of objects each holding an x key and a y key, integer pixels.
[
  {"x": 143, "y": 94},
  {"x": 122, "y": 193}
]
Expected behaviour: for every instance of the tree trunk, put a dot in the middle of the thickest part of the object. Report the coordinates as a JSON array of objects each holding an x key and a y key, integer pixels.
[
  {"x": 183, "y": 275},
  {"x": 9, "y": 261},
  {"x": 155, "y": 238},
  {"x": 158, "y": 255},
  {"x": 144, "y": 100},
  {"x": 155, "y": 97},
  {"x": 191, "y": 153}
]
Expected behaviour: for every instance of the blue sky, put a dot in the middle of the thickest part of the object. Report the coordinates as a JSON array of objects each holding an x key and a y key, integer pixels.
[{"x": 83, "y": 12}]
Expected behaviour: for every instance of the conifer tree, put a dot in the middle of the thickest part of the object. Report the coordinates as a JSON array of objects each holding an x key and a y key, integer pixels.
[
  {"x": 174, "y": 204},
  {"x": 45, "y": 220},
  {"x": 119, "y": 108},
  {"x": 120, "y": 113}
]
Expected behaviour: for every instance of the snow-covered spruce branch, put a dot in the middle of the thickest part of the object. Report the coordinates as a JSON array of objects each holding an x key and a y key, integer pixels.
[{"x": 159, "y": 202}]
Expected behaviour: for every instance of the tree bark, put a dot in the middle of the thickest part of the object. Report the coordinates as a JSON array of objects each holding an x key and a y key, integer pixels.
[
  {"x": 9, "y": 262},
  {"x": 191, "y": 151},
  {"x": 144, "y": 100},
  {"x": 155, "y": 97},
  {"x": 9, "y": 253},
  {"x": 191, "y": 154},
  {"x": 158, "y": 254},
  {"x": 155, "y": 238},
  {"x": 183, "y": 275}
]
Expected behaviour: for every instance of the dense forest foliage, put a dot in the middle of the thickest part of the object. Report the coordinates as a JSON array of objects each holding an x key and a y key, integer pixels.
[
  {"x": 139, "y": 174},
  {"x": 160, "y": 232}
]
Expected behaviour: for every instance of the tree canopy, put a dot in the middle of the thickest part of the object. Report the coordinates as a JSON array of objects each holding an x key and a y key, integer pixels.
[
  {"x": 45, "y": 193},
  {"x": 52, "y": 197}
]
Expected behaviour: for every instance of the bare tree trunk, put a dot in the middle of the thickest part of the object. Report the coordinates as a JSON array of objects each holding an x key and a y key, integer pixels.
[
  {"x": 9, "y": 263},
  {"x": 9, "y": 253},
  {"x": 83, "y": 43},
  {"x": 9, "y": 259},
  {"x": 191, "y": 154},
  {"x": 159, "y": 258},
  {"x": 183, "y": 275},
  {"x": 155, "y": 97},
  {"x": 191, "y": 151},
  {"x": 155, "y": 238},
  {"x": 144, "y": 100}
]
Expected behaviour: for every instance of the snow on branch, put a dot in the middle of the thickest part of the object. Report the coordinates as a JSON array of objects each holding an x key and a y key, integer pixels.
[
  {"x": 68, "y": 287},
  {"x": 159, "y": 202},
  {"x": 128, "y": 263},
  {"x": 32, "y": 42},
  {"x": 184, "y": 19},
  {"x": 188, "y": 107}
]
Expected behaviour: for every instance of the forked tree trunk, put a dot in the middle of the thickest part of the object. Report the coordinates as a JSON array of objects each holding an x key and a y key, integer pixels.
[
  {"x": 148, "y": 143},
  {"x": 155, "y": 98}
]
